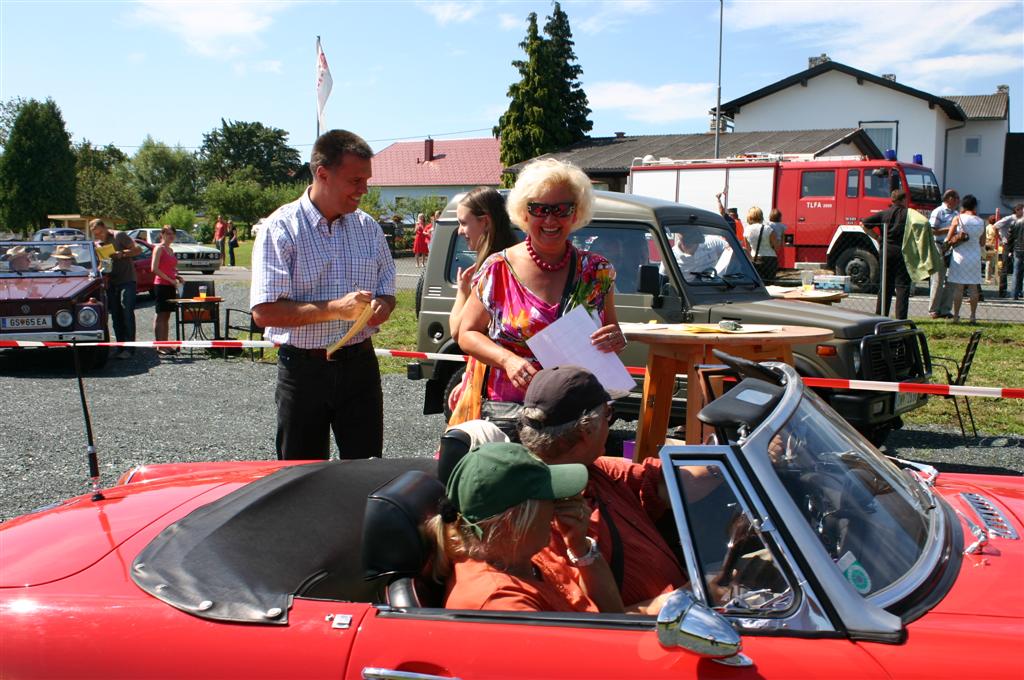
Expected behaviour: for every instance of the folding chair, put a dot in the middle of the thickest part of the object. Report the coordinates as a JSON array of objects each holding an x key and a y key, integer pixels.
[
  {"x": 962, "y": 370},
  {"x": 245, "y": 325}
]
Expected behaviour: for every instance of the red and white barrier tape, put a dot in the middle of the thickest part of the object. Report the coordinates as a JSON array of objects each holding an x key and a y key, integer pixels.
[{"x": 833, "y": 383}]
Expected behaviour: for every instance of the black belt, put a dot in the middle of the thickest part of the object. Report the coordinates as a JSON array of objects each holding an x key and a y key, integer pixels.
[{"x": 320, "y": 354}]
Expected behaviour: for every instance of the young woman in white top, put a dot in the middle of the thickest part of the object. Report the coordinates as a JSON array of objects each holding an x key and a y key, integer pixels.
[{"x": 967, "y": 236}]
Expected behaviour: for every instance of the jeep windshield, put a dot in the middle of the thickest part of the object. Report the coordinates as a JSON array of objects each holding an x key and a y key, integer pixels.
[
  {"x": 709, "y": 256},
  {"x": 40, "y": 259}
]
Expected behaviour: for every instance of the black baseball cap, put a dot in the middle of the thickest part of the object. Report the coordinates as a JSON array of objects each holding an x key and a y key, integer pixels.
[{"x": 563, "y": 394}]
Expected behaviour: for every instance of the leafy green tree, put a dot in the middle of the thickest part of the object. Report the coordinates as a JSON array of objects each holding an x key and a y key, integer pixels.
[
  {"x": 523, "y": 127},
  {"x": 8, "y": 112},
  {"x": 242, "y": 198},
  {"x": 110, "y": 194},
  {"x": 548, "y": 108},
  {"x": 238, "y": 145},
  {"x": 37, "y": 170},
  {"x": 372, "y": 204},
  {"x": 165, "y": 176},
  {"x": 104, "y": 159},
  {"x": 572, "y": 111},
  {"x": 179, "y": 217}
]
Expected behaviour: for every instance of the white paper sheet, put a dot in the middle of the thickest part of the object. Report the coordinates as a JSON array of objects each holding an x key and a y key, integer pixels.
[{"x": 567, "y": 342}]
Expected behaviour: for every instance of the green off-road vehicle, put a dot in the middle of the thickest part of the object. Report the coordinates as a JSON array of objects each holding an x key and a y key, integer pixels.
[{"x": 655, "y": 281}]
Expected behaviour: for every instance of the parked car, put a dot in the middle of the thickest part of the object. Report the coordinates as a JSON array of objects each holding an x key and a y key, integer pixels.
[
  {"x": 144, "y": 267},
  {"x": 813, "y": 556},
  {"x": 637, "y": 234},
  {"x": 192, "y": 257},
  {"x": 41, "y": 303},
  {"x": 59, "y": 234}
]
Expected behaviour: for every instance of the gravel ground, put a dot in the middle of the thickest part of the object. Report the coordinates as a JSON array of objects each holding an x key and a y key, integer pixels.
[{"x": 151, "y": 410}]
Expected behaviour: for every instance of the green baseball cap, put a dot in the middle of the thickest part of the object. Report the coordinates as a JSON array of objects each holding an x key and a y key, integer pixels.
[{"x": 496, "y": 476}]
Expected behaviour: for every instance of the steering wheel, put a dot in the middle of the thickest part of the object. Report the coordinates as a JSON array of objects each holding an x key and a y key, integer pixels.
[{"x": 747, "y": 368}]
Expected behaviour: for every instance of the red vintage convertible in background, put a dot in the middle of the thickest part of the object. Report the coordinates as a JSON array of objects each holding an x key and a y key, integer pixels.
[{"x": 815, "y": 556}]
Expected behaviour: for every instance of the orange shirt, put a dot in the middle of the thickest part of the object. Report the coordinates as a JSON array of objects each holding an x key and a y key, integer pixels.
[
  {"x": 478, "y": 585},
  {"x": 629, "y": 492}
]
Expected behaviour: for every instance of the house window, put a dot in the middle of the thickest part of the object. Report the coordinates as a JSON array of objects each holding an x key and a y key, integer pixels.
[
  {"x": 884, "y": 133},
  {"x": 972, "y": 146},
  {"x": 818, "y": 183}
]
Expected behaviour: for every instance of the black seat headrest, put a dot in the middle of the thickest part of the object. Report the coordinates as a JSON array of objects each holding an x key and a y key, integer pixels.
[
  {"x": 392, "y": 542},
  {"x": 454, "y": 446},
  {"x": 746, "y": 404}
]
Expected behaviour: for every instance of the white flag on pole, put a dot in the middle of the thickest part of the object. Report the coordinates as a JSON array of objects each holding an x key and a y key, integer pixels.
[{"x": 324, "y": 83}]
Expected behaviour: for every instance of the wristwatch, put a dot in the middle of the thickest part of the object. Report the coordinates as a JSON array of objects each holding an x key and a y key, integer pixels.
[{"x": 586, "y": 559}]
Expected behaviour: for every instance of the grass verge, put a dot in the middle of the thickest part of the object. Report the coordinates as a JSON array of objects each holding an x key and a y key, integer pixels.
[{"x": 998, "y": 363}]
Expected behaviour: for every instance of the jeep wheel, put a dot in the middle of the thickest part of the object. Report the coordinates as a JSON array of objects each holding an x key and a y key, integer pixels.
[
  {"x": 453, "y": 382},
  {"x": 419, "y": 294},
  {"x": 861, "y": 266}
]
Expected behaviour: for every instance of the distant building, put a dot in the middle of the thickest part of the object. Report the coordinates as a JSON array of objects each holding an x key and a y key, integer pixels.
[
  {"x": 435, "y": 167},
  {"x": 962, "y": 138},
  {"x": 82, "y": 221}
]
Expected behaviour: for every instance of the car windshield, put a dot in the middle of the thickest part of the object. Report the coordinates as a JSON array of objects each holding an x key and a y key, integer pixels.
[
  {"x": 709, "y": 256},
  {"x": 43, "y": 259},
  {"x": 871, "y": 518},
  {"x": 922, "y": 185},
  {"x": 182, "y": 236}
]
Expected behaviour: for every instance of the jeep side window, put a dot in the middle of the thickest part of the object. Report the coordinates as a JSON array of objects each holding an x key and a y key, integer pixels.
[
  {"x": 708, "y": 256},
  {"x": 462, "y": 256},
  {"x": 626, "y": 248}
]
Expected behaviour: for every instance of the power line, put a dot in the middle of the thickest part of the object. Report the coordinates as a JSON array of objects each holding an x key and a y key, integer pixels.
[{"x": 310, "y": 144}]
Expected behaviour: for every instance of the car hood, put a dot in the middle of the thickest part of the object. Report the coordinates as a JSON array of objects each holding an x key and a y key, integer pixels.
[
  {"x": 44, "y": 288},
  {"x": 984, "y": 586},
  {"x": 192, "y": 248},
  {"x": 57, "y": 542},
  {"x": 843, "y": 323}
]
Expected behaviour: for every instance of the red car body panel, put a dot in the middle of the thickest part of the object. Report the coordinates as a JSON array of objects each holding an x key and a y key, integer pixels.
[
  {"x": 87, "y": 618},
  {"x": 143, "y": 267}
]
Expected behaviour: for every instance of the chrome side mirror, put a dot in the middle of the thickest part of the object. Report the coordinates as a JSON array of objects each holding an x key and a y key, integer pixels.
[{"x": 685, "y": 622}]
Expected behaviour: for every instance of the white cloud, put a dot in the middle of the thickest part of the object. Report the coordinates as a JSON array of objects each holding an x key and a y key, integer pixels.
[
  {"x": 445, "y": 13},
  {"x": 611, "y": 15},
  {"x": 508, "y": 22},
  {"x": 923, "y": 42},
  {"x": 212, "y": 28},
  {"x": 669, "y": 103}
]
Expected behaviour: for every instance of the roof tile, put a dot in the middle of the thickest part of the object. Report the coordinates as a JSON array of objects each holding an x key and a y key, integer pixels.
[{"x": 455, "y": 162}]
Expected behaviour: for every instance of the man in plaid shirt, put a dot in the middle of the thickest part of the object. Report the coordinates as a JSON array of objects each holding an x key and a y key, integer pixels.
[{"x": 317, "y": 263}]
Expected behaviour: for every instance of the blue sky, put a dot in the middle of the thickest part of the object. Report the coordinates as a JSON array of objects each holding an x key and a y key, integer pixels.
[{"x": 405, "y": 70}]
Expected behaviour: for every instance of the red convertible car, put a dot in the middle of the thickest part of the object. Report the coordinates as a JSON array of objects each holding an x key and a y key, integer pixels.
[{"x": 815, "y": 556}]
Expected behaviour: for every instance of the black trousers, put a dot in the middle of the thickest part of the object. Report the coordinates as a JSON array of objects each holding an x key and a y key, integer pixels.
[
  {"x": 316, "y": 397},
  {"x": 897, "y": 282},
  {"x": 1006, "y": 259}
]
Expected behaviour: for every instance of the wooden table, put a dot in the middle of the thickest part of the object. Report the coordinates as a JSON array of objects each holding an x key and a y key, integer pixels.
[
  {"x": 191, "y": 310},
  {"x": 674, "y": 350},
  {"x": 825, "y": 297}
]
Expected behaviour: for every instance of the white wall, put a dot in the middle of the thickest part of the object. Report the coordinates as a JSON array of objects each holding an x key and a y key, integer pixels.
[
  {"x": 388, "y": 194},
  {"x": 835, "y": 100},
  {"x": 981, "y": 174}
]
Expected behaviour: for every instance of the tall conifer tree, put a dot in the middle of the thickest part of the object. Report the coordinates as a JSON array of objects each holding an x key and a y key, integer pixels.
[{"x": 572, "y": 113}]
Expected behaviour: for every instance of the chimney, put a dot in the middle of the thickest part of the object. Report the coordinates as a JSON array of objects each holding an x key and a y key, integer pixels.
[
  {"x": 428, "y": 149},
  {"x": 815, "y": 61},
  {"x": 1002, "y": 89},
  {"x": 890, "y": 77},
  {"x": 620, "y": 135}
]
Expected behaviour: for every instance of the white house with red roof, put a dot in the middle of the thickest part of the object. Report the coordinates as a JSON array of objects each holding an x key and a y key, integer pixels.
[{"x": 435, "y": 167}]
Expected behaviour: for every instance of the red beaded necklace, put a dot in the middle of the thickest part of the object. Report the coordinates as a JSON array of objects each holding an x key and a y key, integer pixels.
[{"x": 545, "y": 265}]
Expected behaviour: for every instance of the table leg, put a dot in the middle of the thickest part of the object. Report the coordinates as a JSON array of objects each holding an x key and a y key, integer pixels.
[
  {"x": 659, "y": 385},
  {"x": 694, "y": 403},
  {"x": 177, "y": 322}
]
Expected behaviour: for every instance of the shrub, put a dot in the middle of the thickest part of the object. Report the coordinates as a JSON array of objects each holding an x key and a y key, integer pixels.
[
  {"x": 179, "y": 217},
  {"x": 203, "y": 233}
]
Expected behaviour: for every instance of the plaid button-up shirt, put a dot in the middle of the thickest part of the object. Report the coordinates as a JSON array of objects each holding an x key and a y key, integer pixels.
[{"x": 298, "y": 256}]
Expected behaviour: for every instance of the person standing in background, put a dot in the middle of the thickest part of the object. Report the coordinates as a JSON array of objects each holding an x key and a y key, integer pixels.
[
  {"x": 220, "y": 229},
  {"x": 122, "y": 286},
  {"x": 231, "y": 236},
  {"x": 775, "y": 222},
  {"x": 966, "y": 235},
  {"x": 731, "y": 216},
  {"x": 762, "y": 245},
  {"x": 892, "y": 222},
  {"x": 1015, "y": 247},
  {"x": 165, "y": 285},
  {"x": 419, "y": 242},
  {"x": 1004, "y": 227},
  {"x": 941, "y": 297},
  {"x": 991, "y": 255}
]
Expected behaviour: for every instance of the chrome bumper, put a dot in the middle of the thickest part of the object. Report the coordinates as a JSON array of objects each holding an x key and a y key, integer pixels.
[{"x": 56, "y": 336}]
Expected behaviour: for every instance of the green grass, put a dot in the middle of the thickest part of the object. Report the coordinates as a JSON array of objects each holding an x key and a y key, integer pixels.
[{"x": 998, "y": 363}]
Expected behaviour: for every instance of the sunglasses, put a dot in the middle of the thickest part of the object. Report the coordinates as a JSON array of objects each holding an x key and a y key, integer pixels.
[{"x": 566, "y": 209}]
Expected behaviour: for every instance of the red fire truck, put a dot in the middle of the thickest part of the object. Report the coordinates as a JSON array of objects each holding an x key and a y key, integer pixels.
[{"x": 822, "y": 199}]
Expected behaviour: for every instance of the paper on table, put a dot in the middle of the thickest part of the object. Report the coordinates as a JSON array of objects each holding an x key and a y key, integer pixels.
[
  {"x": 359, "y": 325},
  {"x": 567, "y": 341}
]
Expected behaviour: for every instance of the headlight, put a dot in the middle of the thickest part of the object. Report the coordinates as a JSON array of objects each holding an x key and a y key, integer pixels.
[
  {"x": 64, "y": 318},
  {"x": 87, "y": 316}
]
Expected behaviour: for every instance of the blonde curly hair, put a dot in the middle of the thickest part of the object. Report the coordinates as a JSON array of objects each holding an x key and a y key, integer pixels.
[{"x": 546, "y": 173}]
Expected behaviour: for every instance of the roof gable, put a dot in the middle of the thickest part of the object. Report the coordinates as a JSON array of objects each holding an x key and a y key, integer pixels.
[
  {"x": 984, "y": 106},
  {"x": 733, "y": 107},
  {"x": 614, "y": 155},
  {"x": 455, "y": 162}
]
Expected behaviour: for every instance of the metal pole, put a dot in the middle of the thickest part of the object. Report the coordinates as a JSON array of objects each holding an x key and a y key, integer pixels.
[
  {"x": 317, "y": 94},
  {"x": 882, "y": 301},
  {"x": 718, "y": 100}
]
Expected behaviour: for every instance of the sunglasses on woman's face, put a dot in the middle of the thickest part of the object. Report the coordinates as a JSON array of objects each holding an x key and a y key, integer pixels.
[{"x": 556, "y": 209}]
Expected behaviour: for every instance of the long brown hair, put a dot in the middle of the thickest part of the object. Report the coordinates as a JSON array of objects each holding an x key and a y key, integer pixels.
[{"x": 486, "y": 201}]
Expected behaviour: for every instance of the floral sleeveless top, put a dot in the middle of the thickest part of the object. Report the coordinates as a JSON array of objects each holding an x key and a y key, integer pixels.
[{"x": 517, "y": 314}]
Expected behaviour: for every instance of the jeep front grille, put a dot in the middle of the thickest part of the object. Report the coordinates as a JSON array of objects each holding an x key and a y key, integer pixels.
[{"x": 896, "y": 352}]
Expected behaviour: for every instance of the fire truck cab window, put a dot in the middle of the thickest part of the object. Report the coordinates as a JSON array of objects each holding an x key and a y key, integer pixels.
[{"x": 818, "y": 183}]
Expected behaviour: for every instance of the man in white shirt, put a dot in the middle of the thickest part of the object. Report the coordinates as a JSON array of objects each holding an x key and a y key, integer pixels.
[
  {"x": 697, "y": 252},
  {"x": 941, "y": 302}
]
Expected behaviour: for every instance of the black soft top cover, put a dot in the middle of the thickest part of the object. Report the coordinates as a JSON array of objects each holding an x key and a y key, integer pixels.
[{"x": 297, "y": 531}]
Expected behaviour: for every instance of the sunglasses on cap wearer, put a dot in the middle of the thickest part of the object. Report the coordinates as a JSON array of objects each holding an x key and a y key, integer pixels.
[{"x": 566, "y": 209}]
